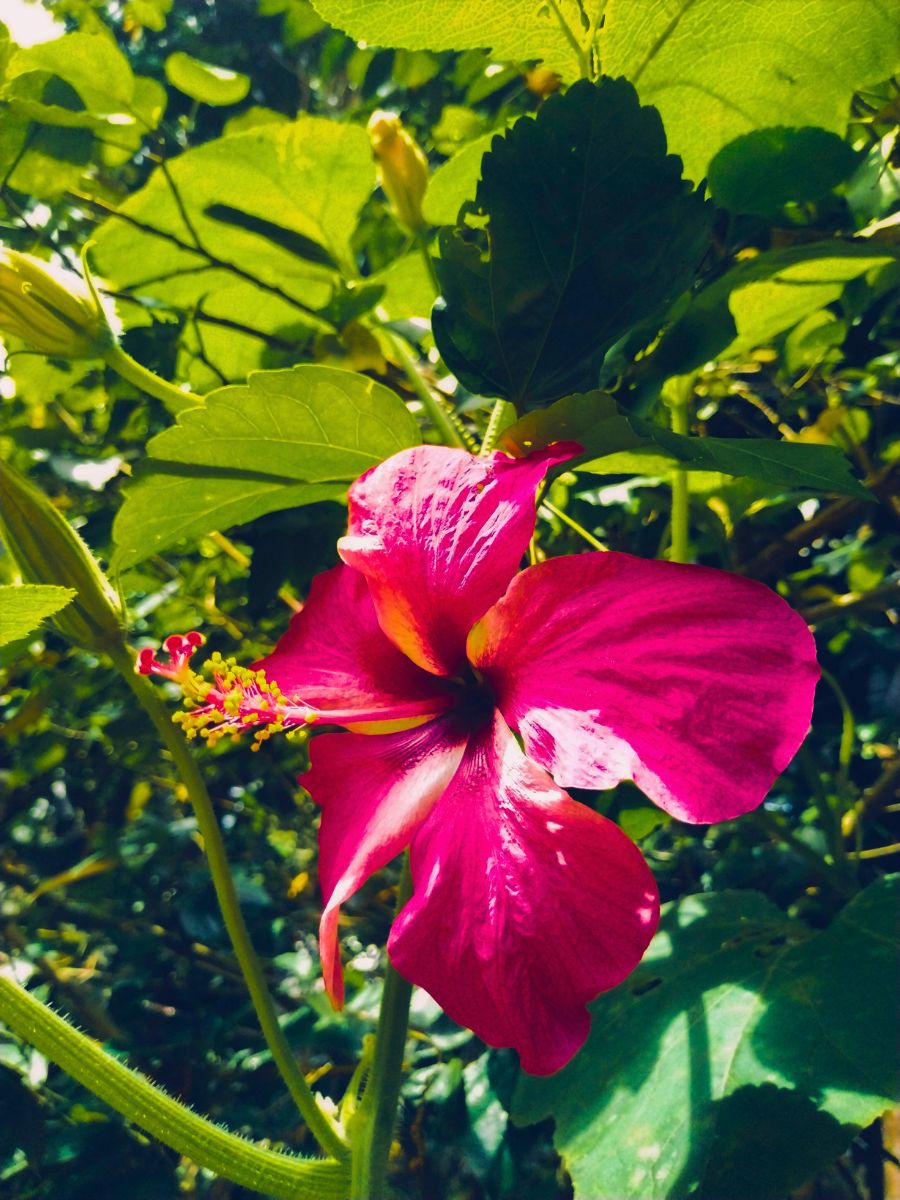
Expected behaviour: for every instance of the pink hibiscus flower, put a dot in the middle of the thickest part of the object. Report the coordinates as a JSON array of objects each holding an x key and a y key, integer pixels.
[{"x": 473, "y": 693}]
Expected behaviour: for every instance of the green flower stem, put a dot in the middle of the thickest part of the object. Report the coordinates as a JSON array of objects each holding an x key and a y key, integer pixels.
[
  {"x": 443, "y": 420},
  {"x": 422, "y": 243},
  {"x": 502, "y": 414},
  {"x": 679, "y": 550},
  {"x": 318, "y": 1121},
  {"x": 172, "y": 397},
  {"x": 372, "y": 1128},
  {"x": 140, "y": 1101},
  {"x": 563, "y": 516}
]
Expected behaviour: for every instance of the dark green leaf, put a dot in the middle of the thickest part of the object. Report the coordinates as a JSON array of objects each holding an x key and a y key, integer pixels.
[
  {"x": 762, "y": 171},
  {"x": 737, "y": 1028},
  {"x": 593, "y": 420},
  {"x": 591, "y": 231}
]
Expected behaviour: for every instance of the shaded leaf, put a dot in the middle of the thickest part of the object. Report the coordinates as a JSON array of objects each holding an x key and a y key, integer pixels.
[
  {"x": 762, "y": 171},
  {"x": 284, "y": 439},
  {"x": 590, "y": 232},
  {"x": 734, "y": 1011},
  {"x": 758, "y": 299}
]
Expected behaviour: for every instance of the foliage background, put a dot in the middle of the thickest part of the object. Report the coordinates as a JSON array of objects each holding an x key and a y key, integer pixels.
[{"x": 105, "y": 900}]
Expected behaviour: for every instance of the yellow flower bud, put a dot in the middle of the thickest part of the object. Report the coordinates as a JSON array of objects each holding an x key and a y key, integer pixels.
[
  {"x": 53, "y": 311},
  {"x": 402, "y": 168},
  {"x": 542, "y": 81},
  {"x": 47, "y": 549}
]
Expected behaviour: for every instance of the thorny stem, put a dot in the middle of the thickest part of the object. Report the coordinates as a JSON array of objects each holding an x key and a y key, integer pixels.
[
  {"x": 173, "y": 397},
  {"x": 372, "y": 1128},
  {"x": 137, "y": 1099},
  {"x": 678, "y": 550},
  {"x": 319, "y": 1123}
]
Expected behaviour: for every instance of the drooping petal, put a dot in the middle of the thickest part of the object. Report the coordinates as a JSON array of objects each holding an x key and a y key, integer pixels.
[
  {"x": 375, "y": 791},
  {"x": 695, "y": 683},
  {"x": 525, "y": 906},
  {"x": 439, "y": 533},
  {"x": 334, "y": 655}
]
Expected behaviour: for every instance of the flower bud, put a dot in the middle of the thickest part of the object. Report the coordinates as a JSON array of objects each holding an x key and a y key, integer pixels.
[
  {"x": 402, "y": 168},
  {"x": 542, "y": 81},
  {"x": 53, "y": 311},
  {"x": 48, "y": 550}
]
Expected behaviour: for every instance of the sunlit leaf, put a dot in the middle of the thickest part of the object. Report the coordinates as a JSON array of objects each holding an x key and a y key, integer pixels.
[
  {"x": 284, "y": 439},
  {"x": 25, "y": 607},
  {"x": 741, "y": 1056}
]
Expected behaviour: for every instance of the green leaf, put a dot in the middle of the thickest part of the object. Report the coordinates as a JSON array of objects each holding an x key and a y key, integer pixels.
[
  {"x": 759, "y": 299},
  {"x": 762, "y": 171},
  {"x": 244, "y": 232},
  {"x": 739, "y": 1058},
  {"x": 204, "y": 82},
  {"x": 90, "y": 63},
  {"x": 787, "y": 464},
  {"x": 25, "y": 607},
  {"x": 517, "y": 30},
  {"x": 283, "y": 439},
  {"x": 590, "y": 232},
  {"x": 626, "y": 445},
  {"x": 455, "y": 181},
  {"x": 718, "y": 68}
]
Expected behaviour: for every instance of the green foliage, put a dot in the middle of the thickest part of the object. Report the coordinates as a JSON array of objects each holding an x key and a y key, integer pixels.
[
  {"x": 719, "y": 68},
  {"x": 590, "y": 232},
  {"x": 203, "y": 82},
  {"x": 242, "y": 239},
  {"x": 561, "y": 34},
  {"x": 733, "y": 1032},
  {"x": 284, "y": 439},
  {"x": 24, "y": 608}
]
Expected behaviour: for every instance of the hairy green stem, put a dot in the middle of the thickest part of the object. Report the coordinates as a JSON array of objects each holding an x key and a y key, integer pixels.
[
  {"x": 422, "y": 243},
  {"x": 142, "y": 1102},
  {"x": 129, "y": 368},
  {"x": 678, "y": 549},
  {"x": 502, "y": 414},
  {"x": 373, "y": 1124},
  {"x": 443, "y": 421},
  {"x": 318, "y": 1121}
]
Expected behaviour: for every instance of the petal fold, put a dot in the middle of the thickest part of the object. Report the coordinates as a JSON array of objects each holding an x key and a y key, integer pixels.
[
  {"x": 439, "y": 533},
  {"x": 335, "y": 656},
  {"x": 374, "y": 790},
  {"x": 525, "y": 905},
  {"x": 695, "y": 683}
]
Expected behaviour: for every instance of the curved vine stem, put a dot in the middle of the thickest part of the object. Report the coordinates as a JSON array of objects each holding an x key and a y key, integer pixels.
[
  {"x": 319, "y": 1123},
  {"x": 142, "y": 1102},
  {"x": 129, "y": 368}
]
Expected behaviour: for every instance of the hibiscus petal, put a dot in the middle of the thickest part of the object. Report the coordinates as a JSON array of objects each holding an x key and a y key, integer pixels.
[
  {"x": 439, "y": 534},
  {"x": 695, "y": 683},
  {"x": 335, "y": 656},
  {"x": 375, "y": 791},
  {"x": 525, "y": 905}
]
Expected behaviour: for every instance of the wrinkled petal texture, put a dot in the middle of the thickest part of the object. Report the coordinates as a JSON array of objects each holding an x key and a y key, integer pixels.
[
  {"x": 695, "y": 683},
  {"x": 375, "y": 791},
  {"x": 335, "y": 656},
  {"x": 439, "y": 533},
  {"x": 525, "y": 905}
]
